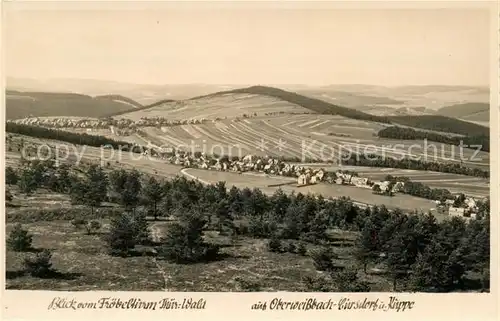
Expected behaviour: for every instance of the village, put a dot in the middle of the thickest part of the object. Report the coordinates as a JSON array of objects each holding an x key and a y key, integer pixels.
[{"x": 457, "y": 205}]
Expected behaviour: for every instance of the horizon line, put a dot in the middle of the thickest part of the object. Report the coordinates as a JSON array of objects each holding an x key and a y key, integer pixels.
[{"x": 242, "y": 84}]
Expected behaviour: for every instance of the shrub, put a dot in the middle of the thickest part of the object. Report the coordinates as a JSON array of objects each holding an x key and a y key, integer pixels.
[
  {"x": 317, "y": 284},
  {"x": 247, "y": 285},
  {"x": 122, "y": 236},
  {"x": 8, "y": 196},
  {"x": 39, "y": 266},
  {"x": 291, "y": 248},
  {"x": 347, "y": 281},
  {"x": 261, "y": 228},
  {"x": 78, "y": 223},
  {"x": 184, "y": 242},
  {"x": 323, "y": 259},
  {"x": 302, "y": 249},
  {"x": 274, "y": 245},
  {"x": 19, "y": 240},
  {"x": 92, "y": 226},
  {"x": 11, "y": 177}
]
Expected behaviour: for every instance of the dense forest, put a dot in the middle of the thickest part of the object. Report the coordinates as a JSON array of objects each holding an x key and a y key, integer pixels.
[
  {"x": 45, "y": 104},
  {"x": 416, "y": 252},
  {"x": 65, "y": 136},
  {"x": 404, "y": 133},
  {"x": 441, "y": 124},
  {"x": 408, "y": 163}
]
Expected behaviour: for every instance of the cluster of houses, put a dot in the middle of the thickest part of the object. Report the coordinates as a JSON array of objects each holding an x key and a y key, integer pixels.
[
  {"x": 467, "y": 209},
  {"x": 273, "y": 166},
  {"x": 93, "y": 123}
]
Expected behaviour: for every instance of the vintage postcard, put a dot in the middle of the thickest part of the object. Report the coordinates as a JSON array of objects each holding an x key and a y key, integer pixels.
[{"x": 250, "y": 160}]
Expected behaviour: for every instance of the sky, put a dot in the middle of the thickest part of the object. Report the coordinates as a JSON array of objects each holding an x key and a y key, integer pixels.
[{"x": 251, "y": 46}]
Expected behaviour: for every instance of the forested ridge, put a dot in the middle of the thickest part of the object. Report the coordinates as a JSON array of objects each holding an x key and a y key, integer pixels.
[{"x": 405, "y": 133}]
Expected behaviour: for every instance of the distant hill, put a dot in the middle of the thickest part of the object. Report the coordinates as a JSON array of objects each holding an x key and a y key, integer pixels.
[
  {"x": 469, "y": 111},
  {"x": 316, "y": 105},
  {"x": 43, "y": 104},
  {"x": 158, "y": 103},
  {"x": 442, "y": 124},
  {"x": 120, "y": 98},
  {"x": 349, "y": 99}
]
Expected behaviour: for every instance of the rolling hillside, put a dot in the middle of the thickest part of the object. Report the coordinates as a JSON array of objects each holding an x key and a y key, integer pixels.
[
  {"x": 468, "y": 111},
  {"x": 244, "y": 102},
  {"x": 223, "y": 105},
  {"x": 121, "y": 99},
  {"x": 141, "y": 108},
  {"x": 43, "y": 104},
  {"x": 313, "y": 104}
]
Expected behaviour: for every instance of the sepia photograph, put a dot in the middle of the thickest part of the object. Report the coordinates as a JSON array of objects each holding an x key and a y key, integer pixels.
[{"x": 247, "y": 149}]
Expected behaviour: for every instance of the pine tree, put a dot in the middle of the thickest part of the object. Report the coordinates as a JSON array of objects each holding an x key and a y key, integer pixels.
[
  {"x": 143, "y": 234},
  {"x": 153, "y": 193},
  {"x": 367, "y": 249},
  {"x": 280, "y": 203},
  {"x": 97, "y": 187},
  {"x": 11, "y": 177},
  {"x": 429, "y": 271},
  {"x": 19, "y": 240},
  {"x": 225, "y": 222},
  {"x": 40, "y": 266},
  {"x": 131, "y": 190},
  {"x": 27, "y": 182},
  {"x": 184, "y": 241},
  {"x": 122, "y": 236},
  {"x": 323, "y": 259},
  {"x": 397, "y": 258}
]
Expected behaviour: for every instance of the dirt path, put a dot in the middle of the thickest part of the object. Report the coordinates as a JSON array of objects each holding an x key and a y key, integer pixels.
[{"x": 156, "y": 236}]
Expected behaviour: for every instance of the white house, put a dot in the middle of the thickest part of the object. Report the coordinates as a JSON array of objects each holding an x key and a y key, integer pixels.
[
  {"x": 449, "y": 202},
  {"x": 470, "y": 202},
  {"x": 359, "y": 181},
  {"x": 302, "y": 180},
  {"x": 398, "y": 186}
]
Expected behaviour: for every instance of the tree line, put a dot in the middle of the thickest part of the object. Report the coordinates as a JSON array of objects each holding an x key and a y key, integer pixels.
[
  {"x": 372, "y": 160},
  {"x": 403, "y": 133},
  {"x": 418, "y": 252},
  {"x": 441, "y": 124},
  {"x": 69, "y": 137}
]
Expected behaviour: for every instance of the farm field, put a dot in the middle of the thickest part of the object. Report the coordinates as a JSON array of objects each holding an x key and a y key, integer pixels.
[
  {"x": 321, "y": 137},
  {"x": 474, "y": 186},
  {"x": 93, "y": 154},
  {"x": 220, "y": 106},
  {"x": 402, "y": 201}
]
